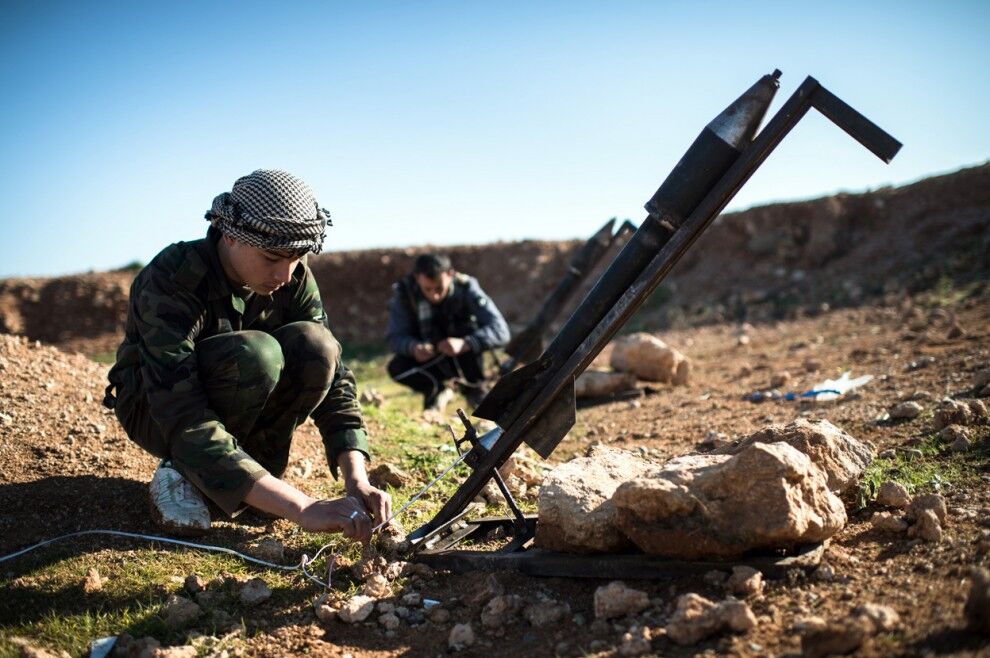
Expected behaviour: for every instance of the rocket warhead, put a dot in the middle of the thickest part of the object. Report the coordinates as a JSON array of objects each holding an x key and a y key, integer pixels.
[{"x": 718, "y": 145}]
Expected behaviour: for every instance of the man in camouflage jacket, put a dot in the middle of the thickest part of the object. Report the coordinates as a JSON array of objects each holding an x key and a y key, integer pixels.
[
  {"x": 227, "y": 350},
  {"x": 440, "y": 323}
]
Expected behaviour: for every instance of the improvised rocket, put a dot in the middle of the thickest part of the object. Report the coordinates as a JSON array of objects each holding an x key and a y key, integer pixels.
[
  {"x": 535, "y": 404},
  {"x": 527, "y": 345}
]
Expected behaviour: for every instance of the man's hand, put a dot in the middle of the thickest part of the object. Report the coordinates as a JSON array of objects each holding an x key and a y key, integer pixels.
[
  {"x": 346, "y": 515},
  {"x": 423, "y": 352},
  {"x": 375, "y": 501},
  {"x": 453, "y": 346}
]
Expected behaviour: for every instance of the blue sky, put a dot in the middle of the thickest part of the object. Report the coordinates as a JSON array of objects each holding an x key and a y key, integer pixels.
[{"x": 444, "y": 123}]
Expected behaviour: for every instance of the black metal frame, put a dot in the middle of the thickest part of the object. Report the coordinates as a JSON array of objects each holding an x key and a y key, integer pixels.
[{"x": 554, "y": 408}]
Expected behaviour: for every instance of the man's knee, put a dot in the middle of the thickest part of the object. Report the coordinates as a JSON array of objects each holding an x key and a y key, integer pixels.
[
  {"x": 252, "y": 358},
  {"x": 311, "y": 347}
]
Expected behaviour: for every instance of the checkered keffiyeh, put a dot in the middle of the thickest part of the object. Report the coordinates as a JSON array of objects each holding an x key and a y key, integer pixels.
[{"x": 271, "y": 209}]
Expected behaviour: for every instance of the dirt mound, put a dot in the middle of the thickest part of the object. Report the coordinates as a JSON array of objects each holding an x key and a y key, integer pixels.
[{"x": 783, "y": 260}]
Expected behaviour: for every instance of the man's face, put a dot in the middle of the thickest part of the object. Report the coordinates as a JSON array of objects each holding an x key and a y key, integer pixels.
[
  {"x": 261, "y": 270},
  {"x": 435, "y": 289}
]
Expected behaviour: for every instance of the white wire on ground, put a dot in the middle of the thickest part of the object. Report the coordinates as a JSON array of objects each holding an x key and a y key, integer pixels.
[{"x": 303, "y": 563}]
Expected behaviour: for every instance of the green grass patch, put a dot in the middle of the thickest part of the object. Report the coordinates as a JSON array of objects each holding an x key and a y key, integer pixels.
[{"x": 926, "y": 467}]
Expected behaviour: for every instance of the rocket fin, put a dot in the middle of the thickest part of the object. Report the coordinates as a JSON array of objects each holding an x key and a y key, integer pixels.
[
  {"x": 554, "y": 423},
  {"x": 509, "y": 387}
]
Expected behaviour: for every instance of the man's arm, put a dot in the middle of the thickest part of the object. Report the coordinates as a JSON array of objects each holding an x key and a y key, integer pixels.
[
  {"x": 493, "y": 330},
  {"x": 402, "y": 332},
  {"x": 346, "y": 515}
]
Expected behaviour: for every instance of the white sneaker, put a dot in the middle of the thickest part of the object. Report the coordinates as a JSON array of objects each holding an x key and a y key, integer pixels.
[{"x": 177, "y": 505}]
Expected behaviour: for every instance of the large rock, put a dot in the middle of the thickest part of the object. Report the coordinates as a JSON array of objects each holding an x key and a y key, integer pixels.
[
  {"x": 697, "y": 618},
  {"x": 649, "y": 358},
  {"x": 768, "y": 496},
  {"x": 598, "y": 383},
  {"x": 576, "y": 514},
  {"x": 842, "y": 457}
]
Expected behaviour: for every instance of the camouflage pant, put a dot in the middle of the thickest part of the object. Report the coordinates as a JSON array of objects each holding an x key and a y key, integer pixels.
[{"x": 260, "y": 385}]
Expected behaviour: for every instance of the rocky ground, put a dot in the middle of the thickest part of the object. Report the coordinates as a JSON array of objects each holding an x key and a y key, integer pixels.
[{"x": 65, "y": 465}]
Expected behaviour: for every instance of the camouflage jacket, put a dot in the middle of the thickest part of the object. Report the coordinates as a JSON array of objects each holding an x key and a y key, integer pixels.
[
  {"x": 466, "y": 312},
  {"x": 183, "y": 296}
]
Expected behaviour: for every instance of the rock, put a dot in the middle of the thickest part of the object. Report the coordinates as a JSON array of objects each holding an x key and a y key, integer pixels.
[
  {"x": 768, "y": 496},
  {"x": 93, "y": 582},
  {"x": 842, "y": 457},
  {"x": 325, "y": 613},
  {"x": 715, "y": 578},
  {"x": 713, "y": 441},
  {"x": 184, "y": 651},
  {"x": 576, "y": 514},
  {"x": 953, "y": 433},
  {"x": 618, "y": 600},
  {"x": 543, "y": 613},
  {"x": 950, "y": 412},
  {"x": 813, "y": 365},
  {"x": 905, "y": 410},
  {"x": 984, "y": 392},
  {"x": 412, "y": 599},
  {"x": 883, "y": 617},
  {"x": 977, "y": 607},
  {"x": 955, "y": 331},
  {"x": 981, "y": 414},
  {"x": 270, "y": 550},
  {"x": 376, "y": 586},
  {"x": 372, "y": 397},
  {"x": 438, "y": 615},
  {"x": 887, "y": 522},
  {"x": 697, "y": 618},
  {"x": 368, "y": 565},
  {"x": 635, "y": 642},
  {"x": 745, "y": 581},
  {"x": 500, "y": 610},
  {"x": 28, "y": 650},
  {"x": 356, "y": 609},
  {"x": 825, "y": 573},
  {"x": 598, "y": 383},
  {"x": 254, "y": 592},
  {"x": 779, "y": 379},
  {"x": 486, "y": 590},
  {"x": 926, "y": 527},
  {"x": 649, "y": 358},
  {"x": 837, "y": 638},
  {"x": 893, "y": 494},
  {"x": 961, "y": 444},
  {"x": 981, "y": 378},
  {"x": 386, "y": 475},
  {"x": 461, "y": 636},
  {"x": 179, "y": 611},
  {"x": 389, "y": 621},
  {"x": 391, "y": 540},
  {"x": 933, "y": 502},
  {"x": 194, "y": 584}
]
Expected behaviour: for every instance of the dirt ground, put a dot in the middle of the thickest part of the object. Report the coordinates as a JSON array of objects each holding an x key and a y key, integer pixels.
[{"x": 65, "y": 465}]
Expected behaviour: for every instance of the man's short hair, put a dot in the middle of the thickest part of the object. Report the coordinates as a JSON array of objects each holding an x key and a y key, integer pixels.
[{"x": 431, "y": 265}]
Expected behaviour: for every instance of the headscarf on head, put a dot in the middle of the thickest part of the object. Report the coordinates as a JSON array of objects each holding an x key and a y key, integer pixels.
[{"x": 271, "y": 209}]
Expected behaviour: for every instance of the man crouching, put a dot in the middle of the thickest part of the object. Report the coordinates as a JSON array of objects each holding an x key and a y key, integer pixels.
[{"x": 226, "y": 352}]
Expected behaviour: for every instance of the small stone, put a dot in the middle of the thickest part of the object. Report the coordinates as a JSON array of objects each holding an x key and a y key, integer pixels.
[
  {"x": 401, "y": 611},
  {"x": 906, "y": 410},
  {"x": 179, "y": 611},
  {"x": 93, "y": 582},
  {"x": 254, "y": 592},
  {"x": 926, "y": 527},
  {"x": 389, "y": 621},
  {"x": 372, "y": 397},
  {"x": 270, "y": 550},
  {"x": 780, "y": 379},
  {"x": 955, "y": 331},
  {"x": 412, "y": 599},
  {"x": 951, "y": 412},
  {"x": 883, "y": 617},
  {"x": 617, "y": 600},
  {"x": 977, "y": 607},
  {"x": 376, "y": 586},
  {"x": 812, "y": 365},
  {"x": 825, "y": 573},
  {"x": 961, "y": 444},
  {"x": 893, "y": 494},
  {"x": 544, "y": 613},
  {"x": 325, "y": 613},
  {"x": 500, "y": 610},
  {"x": 386, "y": 475},
  {"x": 887, "y": 522},
  {"x": 981, "y": 378},
  {"x": 357, "y": 609},
  {"x": 715, "y": 578},
  {"x": 745, "y": 581},
  {"x": 837, "y": 638},
  {"x": 438, "y": 615},
  {"x": 933, "y": 502},
  {"x": 194, "y": 584},
  {"x": 635, "y": 642},
  {"x": 461, "y": 636}
]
